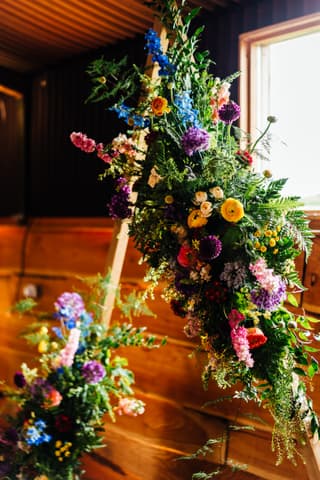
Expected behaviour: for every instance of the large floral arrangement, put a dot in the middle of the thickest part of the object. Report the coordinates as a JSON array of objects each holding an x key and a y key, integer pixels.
[
  {"x": 219, "y": 233},
  {"x": 62, "y": 400}
]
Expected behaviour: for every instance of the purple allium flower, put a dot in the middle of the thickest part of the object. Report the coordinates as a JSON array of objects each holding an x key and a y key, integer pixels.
[
  {"x": 234, "y": 274},
  {"x": 268, "y": 300},
  {"x": 119, "y": 206},
  {"x": 229, "y": 112},
  {"x": 70, "y": 305},
  {"x": 195, "y": 140},
  {"x": 19, "y": 380},
  {"x": 210, "y": 247},
  {"x": 93, "y": 371}
]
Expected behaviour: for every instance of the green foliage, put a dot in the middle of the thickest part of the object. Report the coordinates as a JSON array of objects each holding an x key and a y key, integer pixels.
[{"x": 78, "y": 380}]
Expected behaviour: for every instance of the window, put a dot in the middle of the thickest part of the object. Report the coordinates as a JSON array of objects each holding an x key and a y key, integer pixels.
[{"x": 280, "y": 68}]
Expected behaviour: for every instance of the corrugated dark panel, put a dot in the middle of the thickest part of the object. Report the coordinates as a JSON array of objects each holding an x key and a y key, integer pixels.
[{"x": 63, "y": 179}]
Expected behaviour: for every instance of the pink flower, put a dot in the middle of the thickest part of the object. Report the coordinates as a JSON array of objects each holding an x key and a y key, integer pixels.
[
  {"x": 68, "y": 352},
  {"x": 241, "y": 345},
  {"x": 193, "y": 327},
  {"x": 235, "y": 317},
  {"x": 265, "y": 276},
  {"x": 80, "y": 140},
  {"x": 104, "y": 156},
  {"x": 130, "y": 406}
]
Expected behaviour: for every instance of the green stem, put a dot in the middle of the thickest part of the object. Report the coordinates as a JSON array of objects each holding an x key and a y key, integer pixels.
[{"x": 259, "y": 138}]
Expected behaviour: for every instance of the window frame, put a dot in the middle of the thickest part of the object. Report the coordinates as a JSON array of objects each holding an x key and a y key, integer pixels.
[{"x": 249, "y": 46}]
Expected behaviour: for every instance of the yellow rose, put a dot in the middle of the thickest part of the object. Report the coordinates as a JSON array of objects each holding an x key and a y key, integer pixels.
[
  {"x": 200, "y": 197},
  {"x": 159, "y": 106},
  {"x": 232, "y": 210},
  {"x": 196, "y": 220}
]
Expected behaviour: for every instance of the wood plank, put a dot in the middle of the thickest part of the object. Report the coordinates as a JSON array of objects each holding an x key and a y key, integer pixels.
[
  {"x": 11, "y": 245},
  {"x": 252, "y": 448}
]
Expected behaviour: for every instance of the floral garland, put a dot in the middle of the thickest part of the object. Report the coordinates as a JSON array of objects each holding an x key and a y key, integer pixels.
[
  {"x": 63, "y": 401},
  {"x": 217, "y": 231}
]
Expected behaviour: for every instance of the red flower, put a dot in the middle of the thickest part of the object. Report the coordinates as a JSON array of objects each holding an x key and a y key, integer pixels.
[
  {"x": 255, "y": 337},
  {"x": 186, "y": 256},
  {"x": 245, "y": 157},
  {"x": 216, "y": 292},
  {"x": 63, "y": 423}
]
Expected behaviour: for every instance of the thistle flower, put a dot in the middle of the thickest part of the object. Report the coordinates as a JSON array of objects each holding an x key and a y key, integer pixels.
[
  {"x": 19, "y": 380},
  {"x": 69, "y": 305}
]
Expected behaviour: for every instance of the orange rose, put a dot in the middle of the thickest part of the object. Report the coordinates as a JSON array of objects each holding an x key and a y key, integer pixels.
[
  {"x": 159, "y": 106},
  {"x": 196, "y": 220}
]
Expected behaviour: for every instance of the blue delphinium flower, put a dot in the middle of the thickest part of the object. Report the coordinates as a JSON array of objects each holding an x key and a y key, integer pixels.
[
  {"x": 36, "y": 434},
  {"x": 187, "y": 113},
  {"x": 153, "y": 45}
]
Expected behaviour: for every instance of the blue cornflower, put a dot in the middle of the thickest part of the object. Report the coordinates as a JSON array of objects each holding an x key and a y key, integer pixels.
[
  {"x": 36, "y": 435},
  {"x": 40, "y": 424}
]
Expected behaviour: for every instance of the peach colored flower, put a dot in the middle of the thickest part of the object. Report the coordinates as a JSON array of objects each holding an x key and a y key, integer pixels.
[
  {"x": 216, "y": 192},
  {"x": 199, "y": 197},
  {"x": 52, "y": 399},
  {"x": 206, "y": 209}
]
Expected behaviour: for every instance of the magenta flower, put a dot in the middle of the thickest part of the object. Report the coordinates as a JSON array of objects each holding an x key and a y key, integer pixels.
[
  {"x": 241, "y": 345},
  {"x": 195, "y": 140},
  {"x": 229, "y": 112},
  {"x": 93, "y": 371}
]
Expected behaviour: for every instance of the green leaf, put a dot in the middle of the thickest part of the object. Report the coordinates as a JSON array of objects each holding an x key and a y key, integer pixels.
[
  {"x": 299, "y": 371},
  {"x": 292, "y": 300}
]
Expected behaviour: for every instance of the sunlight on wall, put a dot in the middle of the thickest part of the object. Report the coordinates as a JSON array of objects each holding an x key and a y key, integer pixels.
[{"x": 294, "y": 98}]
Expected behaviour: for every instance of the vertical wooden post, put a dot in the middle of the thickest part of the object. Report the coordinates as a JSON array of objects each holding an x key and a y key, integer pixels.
[{"x": 119, "y": 242}]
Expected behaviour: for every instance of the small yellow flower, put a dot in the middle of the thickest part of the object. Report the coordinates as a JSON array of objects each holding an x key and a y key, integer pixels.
[
  {"x": 168, "y": 199},
  {"x": 268, "y": 233},
  {"x": 102, "y": 80},
  {"x": 54, "y": 346},
  {"x": 278, "y": 228},
  {"x": 257, "y": 234},
  {"x": 58, "y": 443},
  {"x": 43, "y": 346},
  {"x": 43, "y": 331},
  {"x": 275, "y": 251},
  {"x": 196, "y": 220},
  {"x": 263, "y": 248},
  {"x": 57, "y": 453},
  {"x": 232, "y": 210},
  {"x": 159, "y": 106},
  {"x": 257, "y": 245},
  {"x": 272, "y": 242}
]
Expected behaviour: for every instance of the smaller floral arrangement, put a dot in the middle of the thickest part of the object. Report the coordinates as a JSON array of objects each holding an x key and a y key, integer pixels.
[{"x": 63, "y": 400}]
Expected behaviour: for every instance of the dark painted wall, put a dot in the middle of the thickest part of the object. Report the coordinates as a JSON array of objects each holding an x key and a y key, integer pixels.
[{"x": 223, "y": 27}]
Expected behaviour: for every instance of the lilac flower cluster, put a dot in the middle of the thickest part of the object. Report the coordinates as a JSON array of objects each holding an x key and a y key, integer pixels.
[
  {"x": 93, "y": 371},
  {"x": 268, "y": 300},
  {"x": 119, "y": 205},
  {"x": 187, "y": 113},
  {"x": 195, "y": 140},
  {"x": 69, "y": 305},
  {"x": 153, "y": 45}
]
